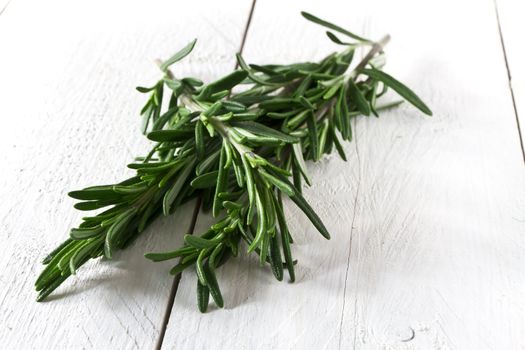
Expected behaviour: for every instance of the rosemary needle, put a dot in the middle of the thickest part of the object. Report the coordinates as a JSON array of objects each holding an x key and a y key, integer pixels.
[{"x": 236, "y": 150}]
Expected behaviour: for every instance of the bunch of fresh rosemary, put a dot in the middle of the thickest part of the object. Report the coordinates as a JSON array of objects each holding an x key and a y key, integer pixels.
[{"x": 236, "y": 151}]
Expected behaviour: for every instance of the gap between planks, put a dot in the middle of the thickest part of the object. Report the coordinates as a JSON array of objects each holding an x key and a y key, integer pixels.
[
  {"x": 509, "y": 77},
  {"x": 176, "y": 280},
  {"x": 352, "y": 230},
  {"x": 196, "y": 211},
  {"x": 7, "y": 4}
]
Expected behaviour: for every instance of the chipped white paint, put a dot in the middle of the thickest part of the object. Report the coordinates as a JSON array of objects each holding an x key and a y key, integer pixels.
[
  {"x": 427, "y": 216},
  {"x": 69, "y": 119}
]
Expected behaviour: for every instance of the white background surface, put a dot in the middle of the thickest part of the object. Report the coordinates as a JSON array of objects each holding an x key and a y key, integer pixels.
[{"x": 427, "y": 216}]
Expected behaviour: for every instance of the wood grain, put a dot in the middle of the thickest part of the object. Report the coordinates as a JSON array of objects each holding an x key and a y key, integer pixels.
[
  {"x": 426, "y": 216},
  {"x": 71, "y": 120},
  {"x": 437, "y": 259}
]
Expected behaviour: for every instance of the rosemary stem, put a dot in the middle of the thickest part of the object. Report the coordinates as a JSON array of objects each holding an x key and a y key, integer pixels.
[
  {"x": 158, "y": 62},
  {"x": 190, "y": 104},
  {"x": 376, "y": 48},
  {"x": 262, "y": 134}
]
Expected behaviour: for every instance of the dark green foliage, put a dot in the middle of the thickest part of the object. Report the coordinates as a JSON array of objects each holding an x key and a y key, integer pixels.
[{"x": 236, "y": 151}]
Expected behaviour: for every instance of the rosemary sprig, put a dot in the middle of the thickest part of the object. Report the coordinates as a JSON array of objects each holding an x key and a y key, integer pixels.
[{"x": 237, "y": 150}]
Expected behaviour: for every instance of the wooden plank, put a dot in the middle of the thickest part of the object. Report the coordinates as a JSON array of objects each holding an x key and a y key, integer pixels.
[
  {"x": 431, "y": 254},
  {"x": 511, "y": 23},
  {"x": 437, "y": 259},
  {"x": 70, "y": 119}
]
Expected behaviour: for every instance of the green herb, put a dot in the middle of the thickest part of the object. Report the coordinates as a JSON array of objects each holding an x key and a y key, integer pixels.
[{"x": 236, "y": 151}]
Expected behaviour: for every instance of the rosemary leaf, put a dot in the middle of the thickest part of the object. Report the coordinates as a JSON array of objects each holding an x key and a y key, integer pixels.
[{"x": 236, "y": 151}]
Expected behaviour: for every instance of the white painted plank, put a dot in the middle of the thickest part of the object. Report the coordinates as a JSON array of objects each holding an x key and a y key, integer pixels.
[
  {"x": 70, "y": 119},
  {"x": 438, "y": 245},
  {"x": 436, "y": 242},
  {"x": 512, "y": 29}
]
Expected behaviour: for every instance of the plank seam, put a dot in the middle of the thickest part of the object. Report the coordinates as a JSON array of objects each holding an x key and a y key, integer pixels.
[
  {"x": 196, "y": 211},
  {"x": 5, "y": 7},
  {"x": 176, "y": 280},
  {"x": 246, "y": 28},
  {"x": 509, "y": 77},
  {"x": 358, "y": 187}
]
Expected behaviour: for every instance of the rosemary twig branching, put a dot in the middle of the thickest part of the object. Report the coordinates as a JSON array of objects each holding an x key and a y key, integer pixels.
[{"x": 240, "y": 151}]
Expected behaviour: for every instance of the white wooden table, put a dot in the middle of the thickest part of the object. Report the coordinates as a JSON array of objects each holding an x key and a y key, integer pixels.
[{"x": 427, "y": 216}]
